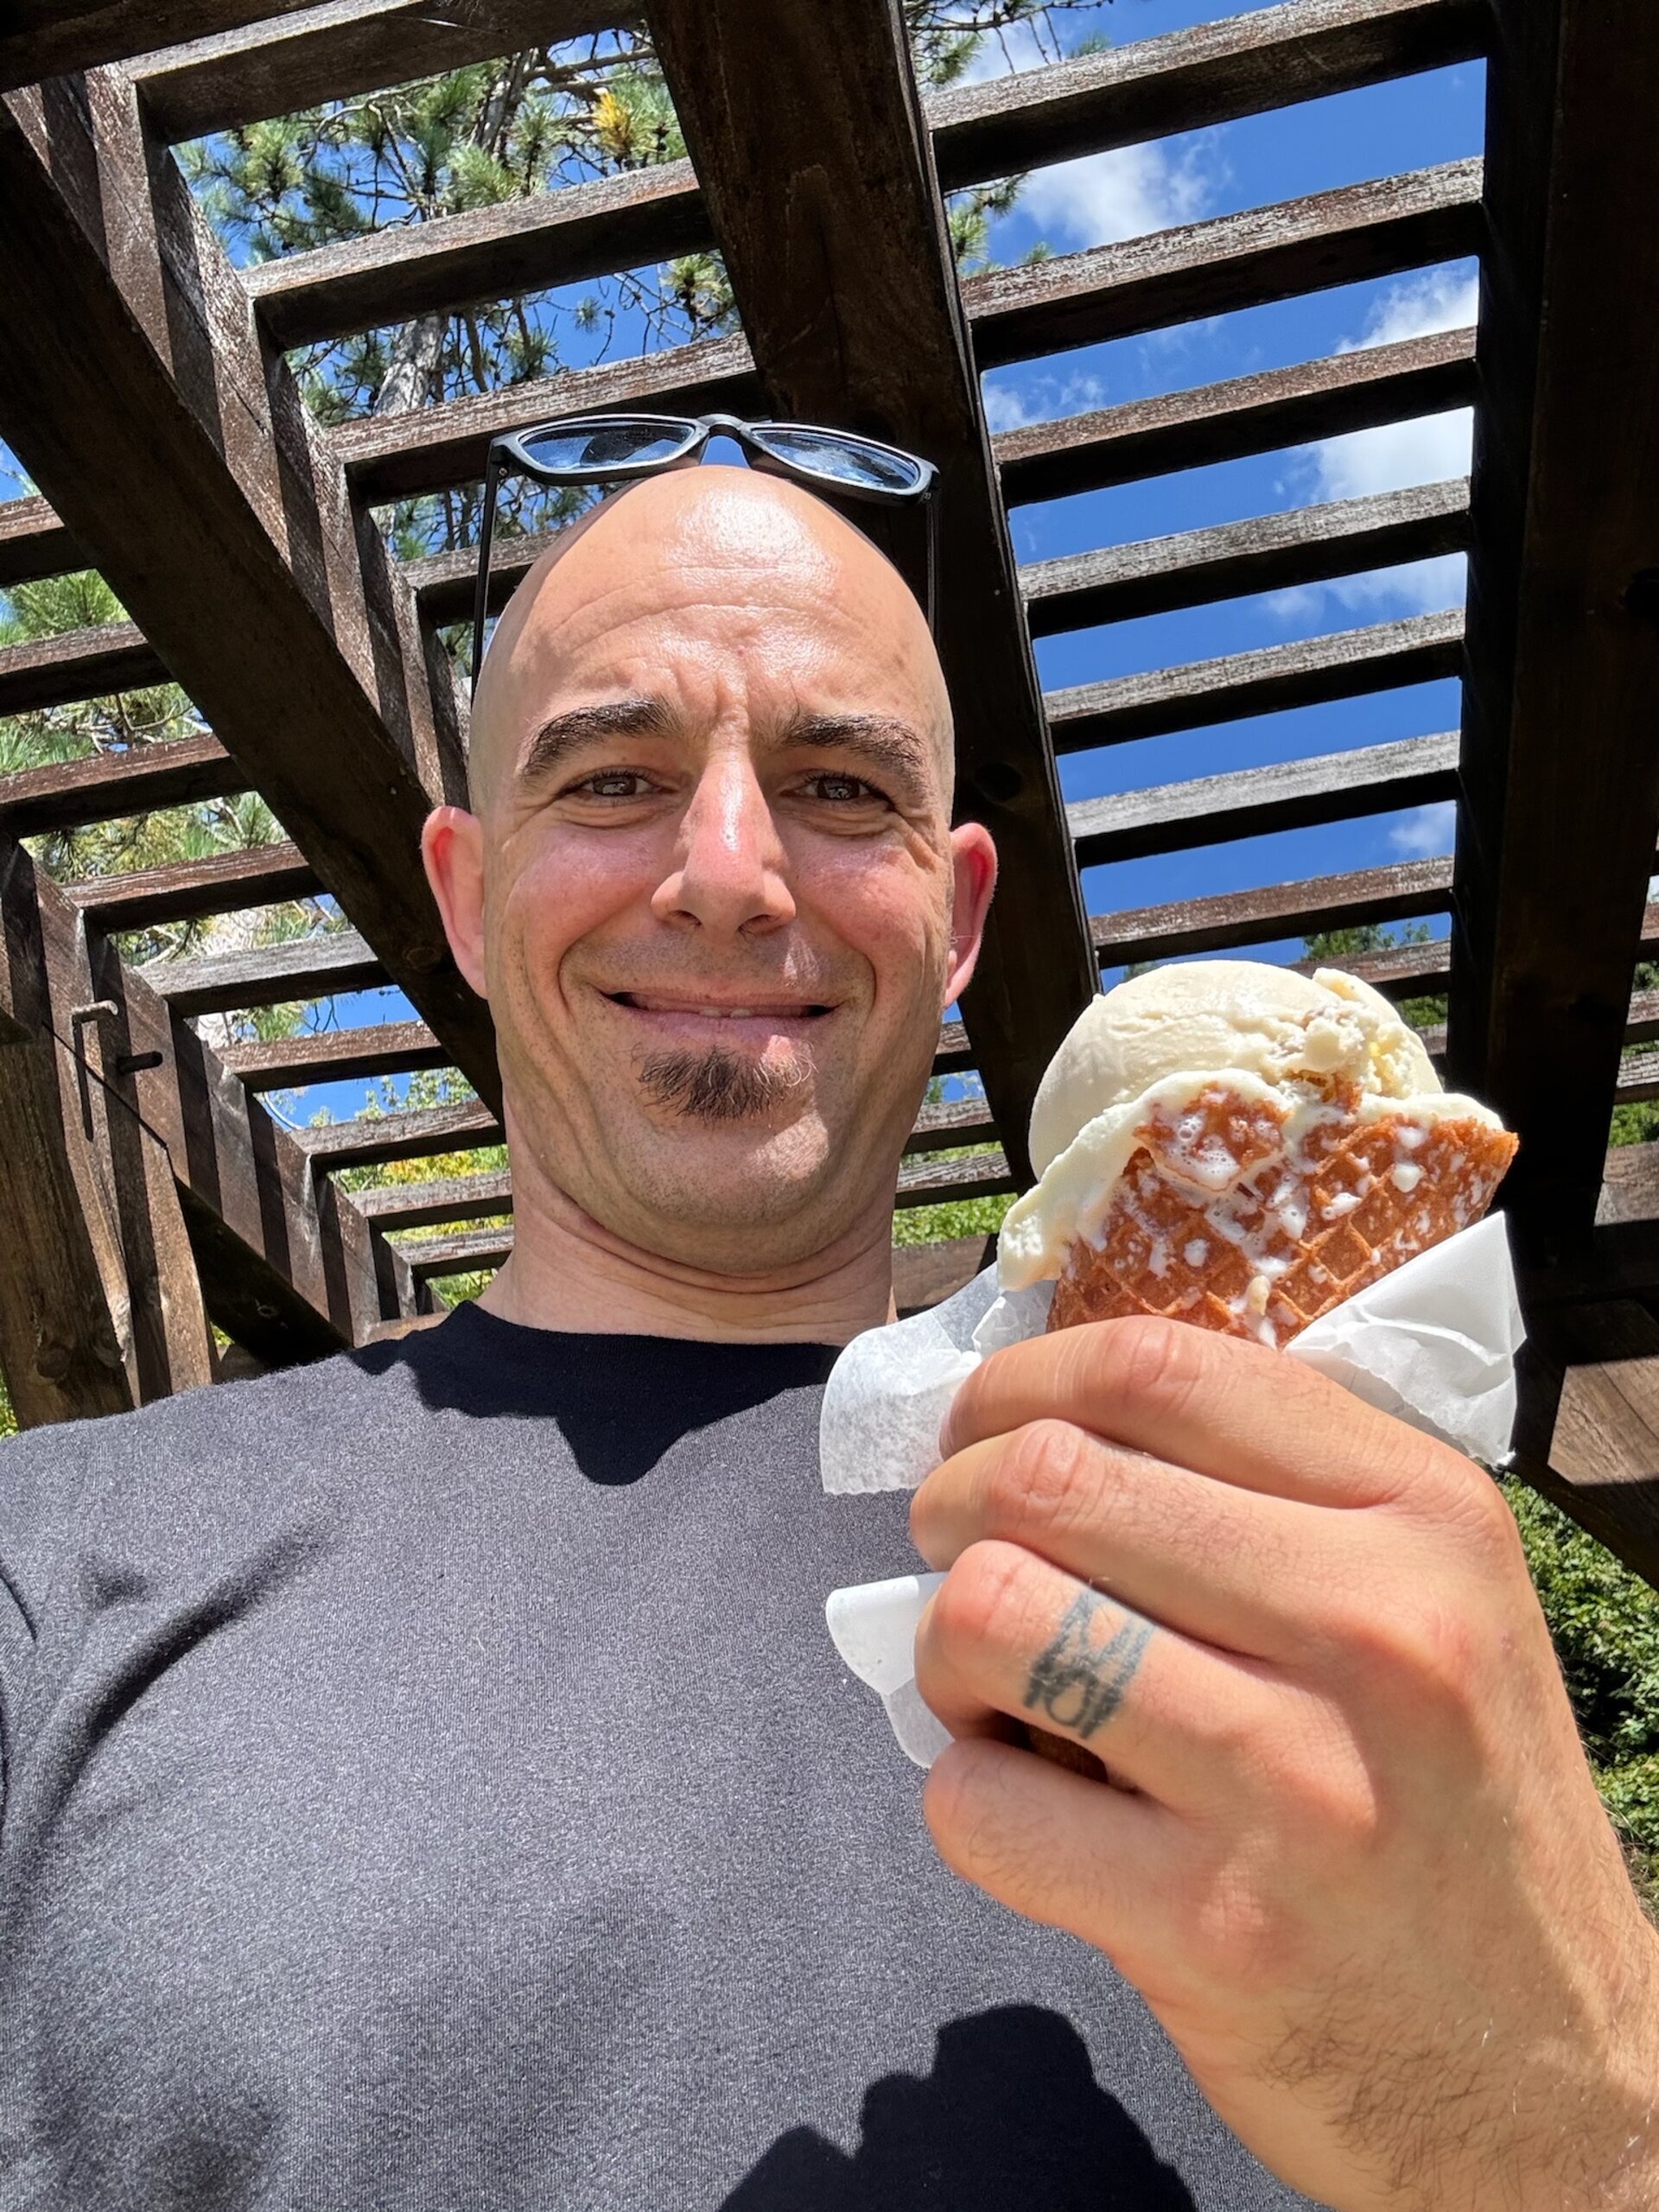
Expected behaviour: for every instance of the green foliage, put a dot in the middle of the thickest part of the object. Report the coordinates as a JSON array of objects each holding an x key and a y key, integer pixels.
[
  {"x": 1604, "y": 1622},
  {"x": 961, "y": 1217}
]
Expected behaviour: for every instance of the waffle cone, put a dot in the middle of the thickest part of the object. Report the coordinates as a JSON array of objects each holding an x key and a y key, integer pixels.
[{"x": 1296, "y": 1225}]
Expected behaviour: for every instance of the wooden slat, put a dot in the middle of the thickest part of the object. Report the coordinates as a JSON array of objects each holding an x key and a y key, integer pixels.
[
  {"x": 971, "y": 1175},
  {"x": 952, "y": 1122},
  {"x": 219, "y": 885},
  {"x": 105, "y": 787},
  {"x": 34, "y": 543},
  {"x": 444, "y": 584},
  {"x": 1187, "y": 81},
  {"x": 224, "y": 527},
  {"x": 432, "y": 448},
  {"x": 332, "y": 52},
  {"x": 1588, "y": 1432},
  {"x": 1234, "y": 919},
  {"x": 1421, "y": 649},
  {"x": 44, "y": 38},
  {"x": 375, "y": 1139},
  {"x": 1192, "y": 80},
  {"x": 270, "y": 974},
  {"x": 429, "y": 1205},
  {"x": 463, "y": 1253},
  {"x": 333, "y": 1055},
  {"x": 1399, "y": 971},
  {"x": 561, "y": 236},
  {"x": 1225, "y": 263},
  {"x": 1252, "y": 802},
  {"x": 955, "y": 1054},
  {"x": 1563, "y": 801},
  {"x": 1328, "y": 398},
  {"x": 76, "y": 665},
  {"x": 1119, "y": 583},
  {"x": 845, "y": 282},
  {"x": 925, "y": 1273}
]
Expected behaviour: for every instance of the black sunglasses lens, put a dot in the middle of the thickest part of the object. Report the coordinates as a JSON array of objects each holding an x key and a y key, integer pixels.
[
  {"x": 608, "y": 442},
  {"x": 839, "y": 459}
]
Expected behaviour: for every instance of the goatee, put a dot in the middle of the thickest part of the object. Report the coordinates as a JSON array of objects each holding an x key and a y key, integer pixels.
[{"x": 719, "y": 1085}]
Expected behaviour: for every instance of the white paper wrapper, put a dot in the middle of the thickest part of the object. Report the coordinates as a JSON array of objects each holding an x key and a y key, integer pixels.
[{"x": 1434, "y": 1343}]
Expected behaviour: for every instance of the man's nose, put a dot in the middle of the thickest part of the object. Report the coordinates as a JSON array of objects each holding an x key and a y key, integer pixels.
[{"x": 731, "y": 869}]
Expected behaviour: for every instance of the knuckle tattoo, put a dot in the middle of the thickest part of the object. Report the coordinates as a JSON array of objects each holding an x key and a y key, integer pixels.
[{"x": 1082, "y": 1676}]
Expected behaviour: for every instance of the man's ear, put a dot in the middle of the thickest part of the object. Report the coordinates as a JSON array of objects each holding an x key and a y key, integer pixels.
[
  {"x": 975, "y": 859},
  {"x": 452, "y": 849}
]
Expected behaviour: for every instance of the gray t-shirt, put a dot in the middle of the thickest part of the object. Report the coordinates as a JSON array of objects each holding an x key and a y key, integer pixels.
[{"x": 428, "y": 1783}]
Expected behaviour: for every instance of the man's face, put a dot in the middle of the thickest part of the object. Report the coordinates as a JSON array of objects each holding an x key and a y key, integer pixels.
[{"x": 722, "y": 905}]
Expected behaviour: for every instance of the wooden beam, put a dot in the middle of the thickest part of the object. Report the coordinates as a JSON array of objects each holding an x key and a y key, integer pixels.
[
  {"x": 430, "y": 1205},
  {"x": 963, "y": 1175},
  {"x": 44, "y": 38},
  {"x": 107, "y": 786},
  {"x": 308, "y": 661},
  {"x": 336, "y": 50},
  {"x": 76, "y": 664},
  {"x": 374, "y": 1140},
  {"x": 333, "y": 1055},
  {"x": 1235, "y": 919},
  {"x": 463, "y": 1252},
  {"x": 1326, "y": 398},
  {"x": 186, "y": 890},
  {"x": 1226, "y": 262},
  {"x": 952, "y": 1122},
  {"x": 1588, "y": 1432},
  {"x": 265, "y": 974},
  {"x": 34, "y": 543},
  {"x": 284, "y": 1269},
  {"x": 1119, "y": 583},
  {"x": 1348, "y": 664},
  {"x": 1253, "y": 802},
  {"x": 1562, "y": 796},
  {"x": 925, "y": 1273},
  {"x": 845, "y": 282},
  {"x": 444, "y": 584}
]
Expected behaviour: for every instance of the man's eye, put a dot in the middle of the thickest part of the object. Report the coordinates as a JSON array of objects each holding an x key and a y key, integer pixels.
[
  {"x": 841, "y": 790},
  {"x": 612, "y": 783}
]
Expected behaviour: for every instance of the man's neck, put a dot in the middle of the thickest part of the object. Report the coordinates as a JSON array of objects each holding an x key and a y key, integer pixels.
[{"x": 567, "y": 1272}]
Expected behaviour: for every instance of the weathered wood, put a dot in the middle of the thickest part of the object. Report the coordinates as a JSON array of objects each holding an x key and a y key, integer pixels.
[
  {"x": 188, "y": 889},
  {"x": 1421, "y": 649},
  {"x": 1588, "y": 1432},
  {"x": 288, "y": 1272},
  {"x": 561, "y": 237},
  {"x": 1326, "y": 398},
  {"x": 1192, "y": 80},
  {"x": 266, "y": 975},
  {"x": 845, "y": 282},
  {"x": 955, "y": 1055},
  {"x": 432, "y": 448},
  {"x": 463, "y": 1253},
  {"x": 1562, "y": 794},
  {"x": 44, "y": 38},
  {"x": 961, "y": 1175},
  {"x": 332, "y": 1055},
  {"x": 445, "y": 584},
  {"x": 1224, "y": 264},
  {"x": 1187, "y": 81},
  {"x": 374, "y": 1140},
  {"x": 345, "y": 47},
  {"x": 1119, "y": 583},
  {"x": 1399, "y": 971},
  {"x": 34, "y": 543},
  {"x": 312, "y": 669},
  {"x": 952, "y": 1122},
  {"x": 103, "y": 787},
  {"x": 925, "y": 1273},
  {"x": 1235, "y": 919},
  {"x": 76, "y": 664},
  {"x": 1252, "y": 802},
  {"x": 429, "y": 1205}
]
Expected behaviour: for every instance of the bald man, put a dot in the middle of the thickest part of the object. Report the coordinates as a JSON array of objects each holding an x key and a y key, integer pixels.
[{"x": 428, "y": 1783}]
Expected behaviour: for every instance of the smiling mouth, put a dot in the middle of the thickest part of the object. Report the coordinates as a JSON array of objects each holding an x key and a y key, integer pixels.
[{"x": 758, "y": 1009}]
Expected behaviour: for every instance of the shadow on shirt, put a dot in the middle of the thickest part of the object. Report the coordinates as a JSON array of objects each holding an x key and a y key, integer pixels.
[{"x": 1010, "y": 2117}]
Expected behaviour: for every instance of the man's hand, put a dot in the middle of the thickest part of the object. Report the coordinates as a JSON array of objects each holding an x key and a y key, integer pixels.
[{"x": 1354, "y": 1858}]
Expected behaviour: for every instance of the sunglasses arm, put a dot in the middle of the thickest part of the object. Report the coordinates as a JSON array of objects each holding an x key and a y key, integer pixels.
[{"x": 486, "y": 532}]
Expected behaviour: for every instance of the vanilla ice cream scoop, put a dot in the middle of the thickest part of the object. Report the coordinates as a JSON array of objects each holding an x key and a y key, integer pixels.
[{"x": 1158, "y": 1040}]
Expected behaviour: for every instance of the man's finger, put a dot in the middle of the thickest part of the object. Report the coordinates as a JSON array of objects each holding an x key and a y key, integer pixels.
[
  {"x": 1007, "y": 1634},
  {"x": 1239, "y": 1412},
  {"x": 1231, "y": 1568}
]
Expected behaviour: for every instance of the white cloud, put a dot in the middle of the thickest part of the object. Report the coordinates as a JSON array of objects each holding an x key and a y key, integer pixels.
[
  {"x": 1005, "y": 407},
  {"x": 1022, "y": 395},
  {"x": 1426, "y": 830},
  {"x": 1121, "y": 194},
  {"x": 1426, "y": 450}
]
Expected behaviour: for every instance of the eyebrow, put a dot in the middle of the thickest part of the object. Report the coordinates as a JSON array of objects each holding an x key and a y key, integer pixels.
[
  {"x": 883, "y": 739},
  {"x": 561, "y": 735}
]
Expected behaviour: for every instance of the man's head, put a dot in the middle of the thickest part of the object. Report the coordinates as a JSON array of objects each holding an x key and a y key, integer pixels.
[{"x": 709, "y": 884}]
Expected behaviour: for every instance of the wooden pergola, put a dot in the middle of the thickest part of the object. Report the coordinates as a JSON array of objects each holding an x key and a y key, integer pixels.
[{"x": 145, "y": 1189}]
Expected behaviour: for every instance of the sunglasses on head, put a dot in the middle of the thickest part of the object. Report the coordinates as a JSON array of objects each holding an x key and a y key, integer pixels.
[{"x": 615, "y": 448}]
